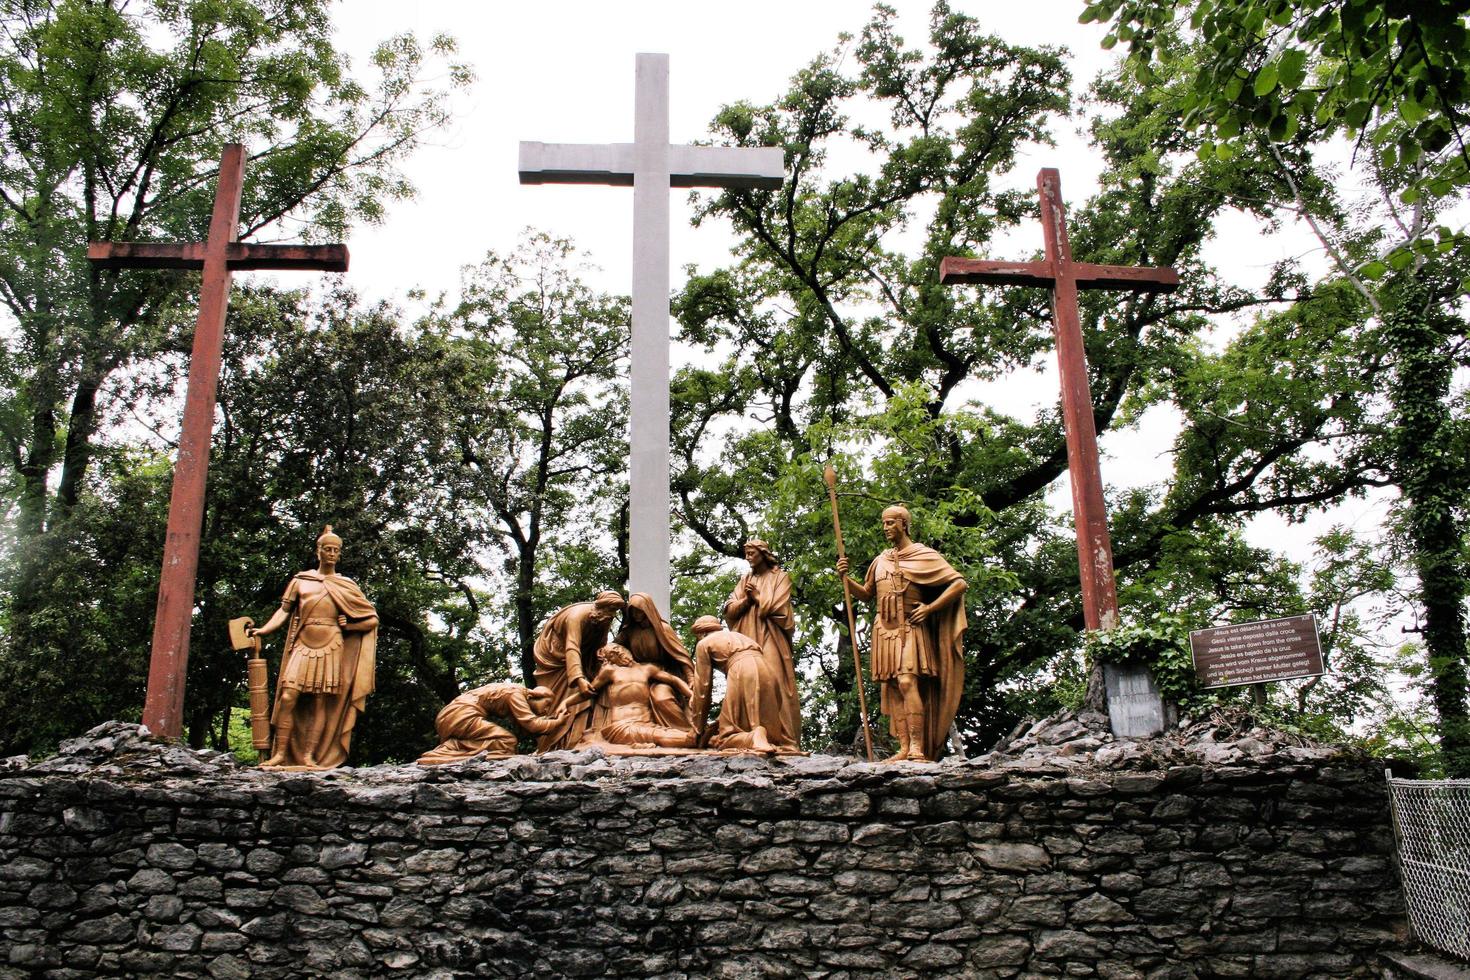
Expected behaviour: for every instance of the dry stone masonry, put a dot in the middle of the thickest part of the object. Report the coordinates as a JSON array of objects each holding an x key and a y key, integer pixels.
[{"x": 1115, "y": 860}]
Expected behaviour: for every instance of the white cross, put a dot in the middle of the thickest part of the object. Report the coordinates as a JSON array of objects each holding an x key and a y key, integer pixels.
[{"x": 651, "y": 166}]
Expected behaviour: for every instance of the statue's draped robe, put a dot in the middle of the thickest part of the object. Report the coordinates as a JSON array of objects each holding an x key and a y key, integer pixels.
[
  {"x": 359, "y": 660},
  {"x": 928, "y": 574},
  {"x": 770, "y": 621},
  {"x": 752, "y": 692},
  {"x": 655, "y": 642},
  {"x": 566, "y": 650},
  {"x": 465, "y": 730}
]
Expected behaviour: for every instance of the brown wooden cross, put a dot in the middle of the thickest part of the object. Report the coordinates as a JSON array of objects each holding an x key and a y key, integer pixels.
[
  {"x": 1065, "y": 277},
  {"x": 219, "y": 256}
]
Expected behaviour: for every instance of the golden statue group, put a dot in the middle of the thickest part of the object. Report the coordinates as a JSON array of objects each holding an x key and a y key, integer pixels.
[{"x": 641, "y": 692}]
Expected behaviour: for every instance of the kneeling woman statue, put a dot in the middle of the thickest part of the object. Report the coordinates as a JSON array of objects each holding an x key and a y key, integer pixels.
[{"x": 328, "y": 664}]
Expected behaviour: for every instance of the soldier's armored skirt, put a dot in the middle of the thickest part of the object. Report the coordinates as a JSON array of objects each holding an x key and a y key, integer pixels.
[{"x": 899, "y": 648}]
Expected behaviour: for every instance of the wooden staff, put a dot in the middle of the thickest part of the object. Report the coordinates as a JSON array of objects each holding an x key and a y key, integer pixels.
[{"x": 857, "y": 663}]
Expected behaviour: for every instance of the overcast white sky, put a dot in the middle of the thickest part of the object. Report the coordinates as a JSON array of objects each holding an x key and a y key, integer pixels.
[{"x": 563, "y": 72}]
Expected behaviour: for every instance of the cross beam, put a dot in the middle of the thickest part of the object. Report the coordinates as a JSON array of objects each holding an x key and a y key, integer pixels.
[
  {"x": 1065, "y": 277},
  {"x": 1086, "y": 275},
  {"x": 759, "y": 168},
  {"x": 218, "y": 256},
  {"x": 239, "y": 256},
  {"x": 650, "y": 165}
]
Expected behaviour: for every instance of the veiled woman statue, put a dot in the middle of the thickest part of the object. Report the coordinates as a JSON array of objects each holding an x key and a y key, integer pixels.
[
  {"x": 651, "y": 640},
  {"x": 327, "y": 669}
]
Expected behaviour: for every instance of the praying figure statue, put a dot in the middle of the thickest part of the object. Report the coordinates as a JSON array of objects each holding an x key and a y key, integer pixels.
[
  {"x": 918, "y": 631},
  {"x": 625, "y": 713},
  {"x": 752, "y": 715},
  {"x": 465, "y": 729},
  {"x": 566, "y": 658},
  {"x": 760, "y": 608},
  {"x": 327, "y": 669}
]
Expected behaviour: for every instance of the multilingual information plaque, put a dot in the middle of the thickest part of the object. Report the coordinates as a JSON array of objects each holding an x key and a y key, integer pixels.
[{"x": 1254, "y": 653}]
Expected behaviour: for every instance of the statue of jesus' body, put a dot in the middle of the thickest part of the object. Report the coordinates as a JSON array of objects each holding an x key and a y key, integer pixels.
[{"x": 625, "y": 708}]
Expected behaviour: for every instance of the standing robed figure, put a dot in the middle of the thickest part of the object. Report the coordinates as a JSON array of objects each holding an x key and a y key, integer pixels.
[{"x": 760, "y": 608}]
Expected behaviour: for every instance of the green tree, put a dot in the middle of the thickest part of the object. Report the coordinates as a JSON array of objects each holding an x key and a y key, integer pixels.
[
  {"x": 543, "y": 433},
  {"x": 1391, "y": 76},
  {"x": 336, "y": 413},
  {"x": 1246, "y": 76},
  {"x": 112, "y": 116},
  {"x": 1431, "y": 471},
  {"x": 329, "y": 413},
  {"x": 844, "y": 344}
]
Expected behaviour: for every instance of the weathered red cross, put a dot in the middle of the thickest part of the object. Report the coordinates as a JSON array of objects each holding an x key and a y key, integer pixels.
[
  {"x": 1065, "y": 277},
  {"x": 220, "y": 255}
]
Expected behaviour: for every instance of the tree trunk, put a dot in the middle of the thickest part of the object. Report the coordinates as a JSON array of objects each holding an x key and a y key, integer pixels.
[
  {"x": 525, "y": 601},
  {"x": 1417, "y": 332},
  {"x": 1096, "y": 698},
  {"x": 222, "y": 741},
  {"x": 81, "y": 424},
  {"x": 40, "y": 454},
  {"x": 620, "y": 531}
]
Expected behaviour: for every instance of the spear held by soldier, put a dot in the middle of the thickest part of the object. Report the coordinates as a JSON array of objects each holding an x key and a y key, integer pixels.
[{"x": 830, "y": 475}]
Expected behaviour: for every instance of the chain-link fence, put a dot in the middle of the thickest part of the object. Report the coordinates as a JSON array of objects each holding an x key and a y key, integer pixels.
[{"x": 1431, "y": 822}]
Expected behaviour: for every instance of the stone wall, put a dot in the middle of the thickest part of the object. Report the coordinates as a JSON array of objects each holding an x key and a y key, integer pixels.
[{"x": 120, "y": 856}]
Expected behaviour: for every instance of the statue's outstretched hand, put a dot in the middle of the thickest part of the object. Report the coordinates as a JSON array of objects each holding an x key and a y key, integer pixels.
[{"x": 842, "y": 565}]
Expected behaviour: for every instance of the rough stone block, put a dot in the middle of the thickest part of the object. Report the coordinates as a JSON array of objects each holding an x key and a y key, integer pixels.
[
  {"x": 179, "y": 939},
  {"x": 204, "y": 888},
  {"x": 773, "y": 859},
  {"x": 997, "y": 951},
  {"x": 933, "y": 956},
  {"x": 104, "y": 931},
  {"x": 842, "y": 805},
  {"x": 230, "y": 967},
  {"x": 1013, "y": 857},
  {"x": 151, "y": 881},
  {"x": 1096, "y": 909}
]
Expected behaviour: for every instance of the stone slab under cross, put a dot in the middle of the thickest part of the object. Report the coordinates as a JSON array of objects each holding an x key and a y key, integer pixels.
[
  {"x": 650, "y": 165},
  {"x": 1064, "y": 277},
  {"x": 218, "y": 257}
]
